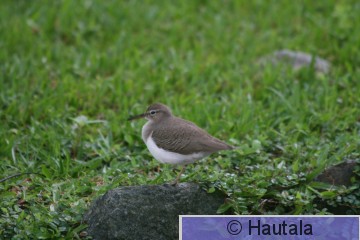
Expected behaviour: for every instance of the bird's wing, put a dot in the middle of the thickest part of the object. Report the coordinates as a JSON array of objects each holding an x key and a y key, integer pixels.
[{"x": 187, "y": 140}]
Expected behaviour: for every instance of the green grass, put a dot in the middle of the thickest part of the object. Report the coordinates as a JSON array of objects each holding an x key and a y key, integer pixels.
[{"x": 73, "y": 71}]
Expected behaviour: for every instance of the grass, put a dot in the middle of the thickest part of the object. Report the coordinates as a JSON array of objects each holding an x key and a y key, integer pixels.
[{"x": 72, "y": 72}]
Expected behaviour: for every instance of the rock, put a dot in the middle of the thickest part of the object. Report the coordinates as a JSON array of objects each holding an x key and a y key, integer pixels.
[
  {"x": 339, "y": 174},
  {"x": 296, "y": 60},
  {"x": 148, "y": 212}
]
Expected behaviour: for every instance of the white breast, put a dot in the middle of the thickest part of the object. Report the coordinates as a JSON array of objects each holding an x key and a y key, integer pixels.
[{"x": 165, "y": 156}]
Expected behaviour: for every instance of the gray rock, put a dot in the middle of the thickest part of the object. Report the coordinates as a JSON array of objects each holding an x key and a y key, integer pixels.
[
  {"x": 296, "y": 60},
  {"x": 339, "y": 174},
  {"x": 148, "y": 212}
]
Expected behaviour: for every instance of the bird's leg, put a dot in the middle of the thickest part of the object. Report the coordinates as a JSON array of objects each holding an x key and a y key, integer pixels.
[{"x": 178, "y": 176}]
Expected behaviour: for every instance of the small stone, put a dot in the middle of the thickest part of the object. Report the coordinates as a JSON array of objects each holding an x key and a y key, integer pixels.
[
  {"x": 296, "y": 60},
  {"x": 148, "y": 212},
  {"x": 340, "y": 174}
]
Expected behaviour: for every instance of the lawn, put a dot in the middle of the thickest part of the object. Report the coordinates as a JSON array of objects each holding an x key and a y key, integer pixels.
[{"x": 73, "y": 71}]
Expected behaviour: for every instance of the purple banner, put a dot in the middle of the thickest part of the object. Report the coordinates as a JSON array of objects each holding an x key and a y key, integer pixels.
[{"x": 296, "y": 227}]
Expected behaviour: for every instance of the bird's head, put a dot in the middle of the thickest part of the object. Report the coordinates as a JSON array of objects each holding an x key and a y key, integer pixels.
[{"x": 155, "y": 112}]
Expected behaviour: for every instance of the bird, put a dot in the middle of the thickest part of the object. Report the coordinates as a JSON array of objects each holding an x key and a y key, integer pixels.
[{"x": 176, "y": 141}]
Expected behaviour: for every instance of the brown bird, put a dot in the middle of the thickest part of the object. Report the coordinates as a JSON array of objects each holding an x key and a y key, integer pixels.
[{"x": 174, "y": 140}]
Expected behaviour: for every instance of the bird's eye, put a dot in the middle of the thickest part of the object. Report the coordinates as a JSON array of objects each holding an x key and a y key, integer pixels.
[{"x": 152, "y": 112}]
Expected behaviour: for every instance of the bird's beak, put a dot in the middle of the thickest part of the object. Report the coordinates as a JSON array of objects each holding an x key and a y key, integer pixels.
[{"x": 143, "y": 115}]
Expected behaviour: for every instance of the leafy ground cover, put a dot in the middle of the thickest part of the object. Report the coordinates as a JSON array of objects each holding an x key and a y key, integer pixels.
[{"x": 73, "y": 71}]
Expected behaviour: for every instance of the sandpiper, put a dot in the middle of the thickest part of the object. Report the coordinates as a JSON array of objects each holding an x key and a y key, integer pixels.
[{"x": 174, "y": 140}]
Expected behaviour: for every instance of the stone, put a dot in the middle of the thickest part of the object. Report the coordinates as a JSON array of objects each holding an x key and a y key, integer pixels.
[
  {"x": 296, "y": 60},
  {"x": 340, "y": 174},
  {"x": 148, "y": 212}
]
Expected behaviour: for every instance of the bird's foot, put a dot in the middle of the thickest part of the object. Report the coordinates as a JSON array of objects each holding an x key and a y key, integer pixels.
[{"x": 174, "y": 183}]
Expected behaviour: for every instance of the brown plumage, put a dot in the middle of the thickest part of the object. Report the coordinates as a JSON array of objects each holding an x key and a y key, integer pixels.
[
  {"x": 182, "y": 140},
  {"x": 181, "y": 136},
  {"x": 178, "y": 135}
]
